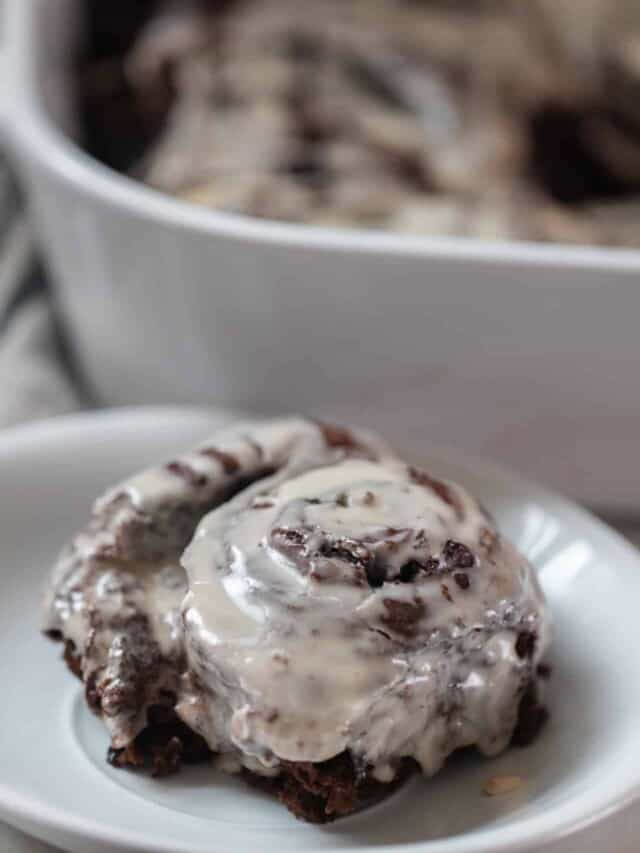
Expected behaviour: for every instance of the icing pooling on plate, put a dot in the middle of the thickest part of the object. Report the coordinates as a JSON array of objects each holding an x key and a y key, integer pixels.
[{"x": 352, "y": 604}]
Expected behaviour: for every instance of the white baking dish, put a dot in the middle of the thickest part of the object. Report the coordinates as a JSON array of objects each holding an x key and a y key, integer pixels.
[{"x": 525, "y": 352}]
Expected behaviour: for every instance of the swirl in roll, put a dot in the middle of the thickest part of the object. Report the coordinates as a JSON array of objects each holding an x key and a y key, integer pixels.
[{"x": 352, "y": 603}]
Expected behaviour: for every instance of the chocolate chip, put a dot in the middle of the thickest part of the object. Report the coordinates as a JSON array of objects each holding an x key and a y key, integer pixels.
[
  {"x": 272, "y": 717},
  {"x": 230, "y": 464},
  {"x": 457, "y": 556},
  {"x": 403, "y": 617},
  {"x": 444, "y": 589},
  {"x": 193, "y": 478},
  {"x": 525, "y": 644},
  {"x": 376, "y": 573},
  {"x": 342, "y": 499},
  {"x": 410, "y": 570},
  {"x": 462, "y": 580}
]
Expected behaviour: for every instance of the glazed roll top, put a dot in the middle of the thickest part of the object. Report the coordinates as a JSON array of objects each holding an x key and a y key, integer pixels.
[{"x": 351, "y": 602}]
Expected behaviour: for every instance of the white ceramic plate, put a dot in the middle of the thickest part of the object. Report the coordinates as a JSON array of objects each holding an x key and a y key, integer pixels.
[{"x": 55, "y": 784}]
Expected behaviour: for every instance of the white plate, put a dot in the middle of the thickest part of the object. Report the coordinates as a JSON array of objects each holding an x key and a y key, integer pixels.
[{"x": 55, "y": 784}]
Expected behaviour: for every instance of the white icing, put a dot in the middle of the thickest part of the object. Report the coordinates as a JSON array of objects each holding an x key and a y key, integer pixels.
[
  {"x": 153, "y": 488},
  {"x": 297, "y": 668}
]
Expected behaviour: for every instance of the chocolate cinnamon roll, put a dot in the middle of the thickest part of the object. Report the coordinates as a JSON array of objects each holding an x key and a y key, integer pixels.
[{"x": 337, "y": 620}]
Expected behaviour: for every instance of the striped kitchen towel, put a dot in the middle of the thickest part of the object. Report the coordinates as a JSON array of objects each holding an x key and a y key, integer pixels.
[{"x": 37, "y": 374}]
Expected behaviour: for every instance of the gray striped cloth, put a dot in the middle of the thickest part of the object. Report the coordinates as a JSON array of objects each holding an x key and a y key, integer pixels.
[{"x": 37, "y": 375}]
